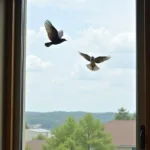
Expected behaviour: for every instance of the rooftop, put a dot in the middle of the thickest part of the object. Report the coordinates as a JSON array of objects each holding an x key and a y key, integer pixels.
[
  {"x": 38, "y": 130},
  {"x": 35, "y": 144},
  {"x": 123, "y": 131}
]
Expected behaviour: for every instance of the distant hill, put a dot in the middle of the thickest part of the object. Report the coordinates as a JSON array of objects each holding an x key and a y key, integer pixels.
[{"x": 51, "y": 120}]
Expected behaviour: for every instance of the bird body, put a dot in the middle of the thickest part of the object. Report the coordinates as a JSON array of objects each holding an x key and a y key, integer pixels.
[
  {"x": 92, "y": 66},
  {"x": 54, "y": 36},
  {"x": 58, "y": 41}
]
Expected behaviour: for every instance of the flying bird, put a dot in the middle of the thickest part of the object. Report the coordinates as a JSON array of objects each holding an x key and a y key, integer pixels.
[
  {"x": 54, "y": 36},
  {"x": 92, "y": 66}
]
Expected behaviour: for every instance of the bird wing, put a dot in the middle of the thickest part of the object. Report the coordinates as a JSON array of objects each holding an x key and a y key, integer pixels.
[
  {"x": 101, "y": 59},
  {"x": 51, "y": 30},
  {"x": 87, "y": 57},
  {"x": 60, "y": 33}
]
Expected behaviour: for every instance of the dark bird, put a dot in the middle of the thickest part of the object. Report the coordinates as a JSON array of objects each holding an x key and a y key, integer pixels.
[
  {"x": 54, "y": 36},
  {"x": 92, "y": 66}
]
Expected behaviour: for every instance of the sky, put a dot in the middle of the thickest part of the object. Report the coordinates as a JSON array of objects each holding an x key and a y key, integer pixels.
[{"x": 57, "y": 78}]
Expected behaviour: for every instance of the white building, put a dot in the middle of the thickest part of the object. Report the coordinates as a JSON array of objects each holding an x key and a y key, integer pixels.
[
  {"x": 31, "y": 133},
  {"x": 35, "y": 126}
]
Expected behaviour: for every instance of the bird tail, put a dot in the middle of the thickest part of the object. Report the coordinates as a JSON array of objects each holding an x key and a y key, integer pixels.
[
  {"x": 48, "y": 44},
  {"x": 95, "y": 68}
]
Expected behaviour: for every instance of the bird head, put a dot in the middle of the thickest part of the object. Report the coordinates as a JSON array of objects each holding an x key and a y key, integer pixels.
[{"x": 92, "y": 58}]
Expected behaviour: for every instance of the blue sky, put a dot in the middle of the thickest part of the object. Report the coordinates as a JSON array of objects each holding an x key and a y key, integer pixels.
[{"x": 57, "y": 77}]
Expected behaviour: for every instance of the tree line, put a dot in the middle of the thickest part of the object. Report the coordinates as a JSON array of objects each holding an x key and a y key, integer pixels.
[
  {"x": 122, "y": 114},
  {"x": 86, "y": 134}
]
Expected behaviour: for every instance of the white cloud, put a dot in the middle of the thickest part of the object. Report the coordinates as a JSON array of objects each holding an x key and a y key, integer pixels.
[
  {"x": 31, "y": 36},
  {"x": 58, "y": 80},
  {"x": 94, "y": 85},
  {"x": 100, "y": 41},
  {"x": 93, "y": 41},
  {"x": 115, "y": 76},
  {"x": 42, "y": 33},
  {"x": 34, "y": 63},
  {"x": 63, "y": 4},
  {"x": 124, "y": 37},
  {"x": 105, "y": 77},
  {"x": 40, "y": 2},
  {"x": 124, "y": 42}
]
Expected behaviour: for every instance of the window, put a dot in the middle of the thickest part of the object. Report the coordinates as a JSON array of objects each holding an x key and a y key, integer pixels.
[
  {"x": 1, "y": 68},
  {"x": 60, "y": 82},
  {"x": 17, "y": 97}
]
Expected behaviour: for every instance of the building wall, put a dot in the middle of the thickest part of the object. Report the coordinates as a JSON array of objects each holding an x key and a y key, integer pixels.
[
  {"x": 124, "y": 148},
  {"x": 31, "y": 134}
]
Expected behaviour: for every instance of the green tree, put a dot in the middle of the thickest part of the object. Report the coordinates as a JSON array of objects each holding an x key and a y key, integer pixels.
[
  {"x": 86, "y": 134},
  {"x": 133, "y": 116},
  {"x": 26, "y": 126},
  {"x": 39, "y": 137},
  {"x": 122, "y": 114},
  {"x": 27, "y": 148}
]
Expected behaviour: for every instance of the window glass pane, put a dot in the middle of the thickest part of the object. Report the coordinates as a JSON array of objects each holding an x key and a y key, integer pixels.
[{"x": 80, "y": 75}]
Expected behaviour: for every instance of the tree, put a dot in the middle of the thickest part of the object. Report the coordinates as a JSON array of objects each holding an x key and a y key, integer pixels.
[
  {"x": 26, "y": 126},
  {"x": 39, "y": 137},
  {"x": 122, "y": 114},
  {"x": 86, "y": 134},
  {"x": 133, "y": 116},
  {"x": 27, "y": 148}
]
